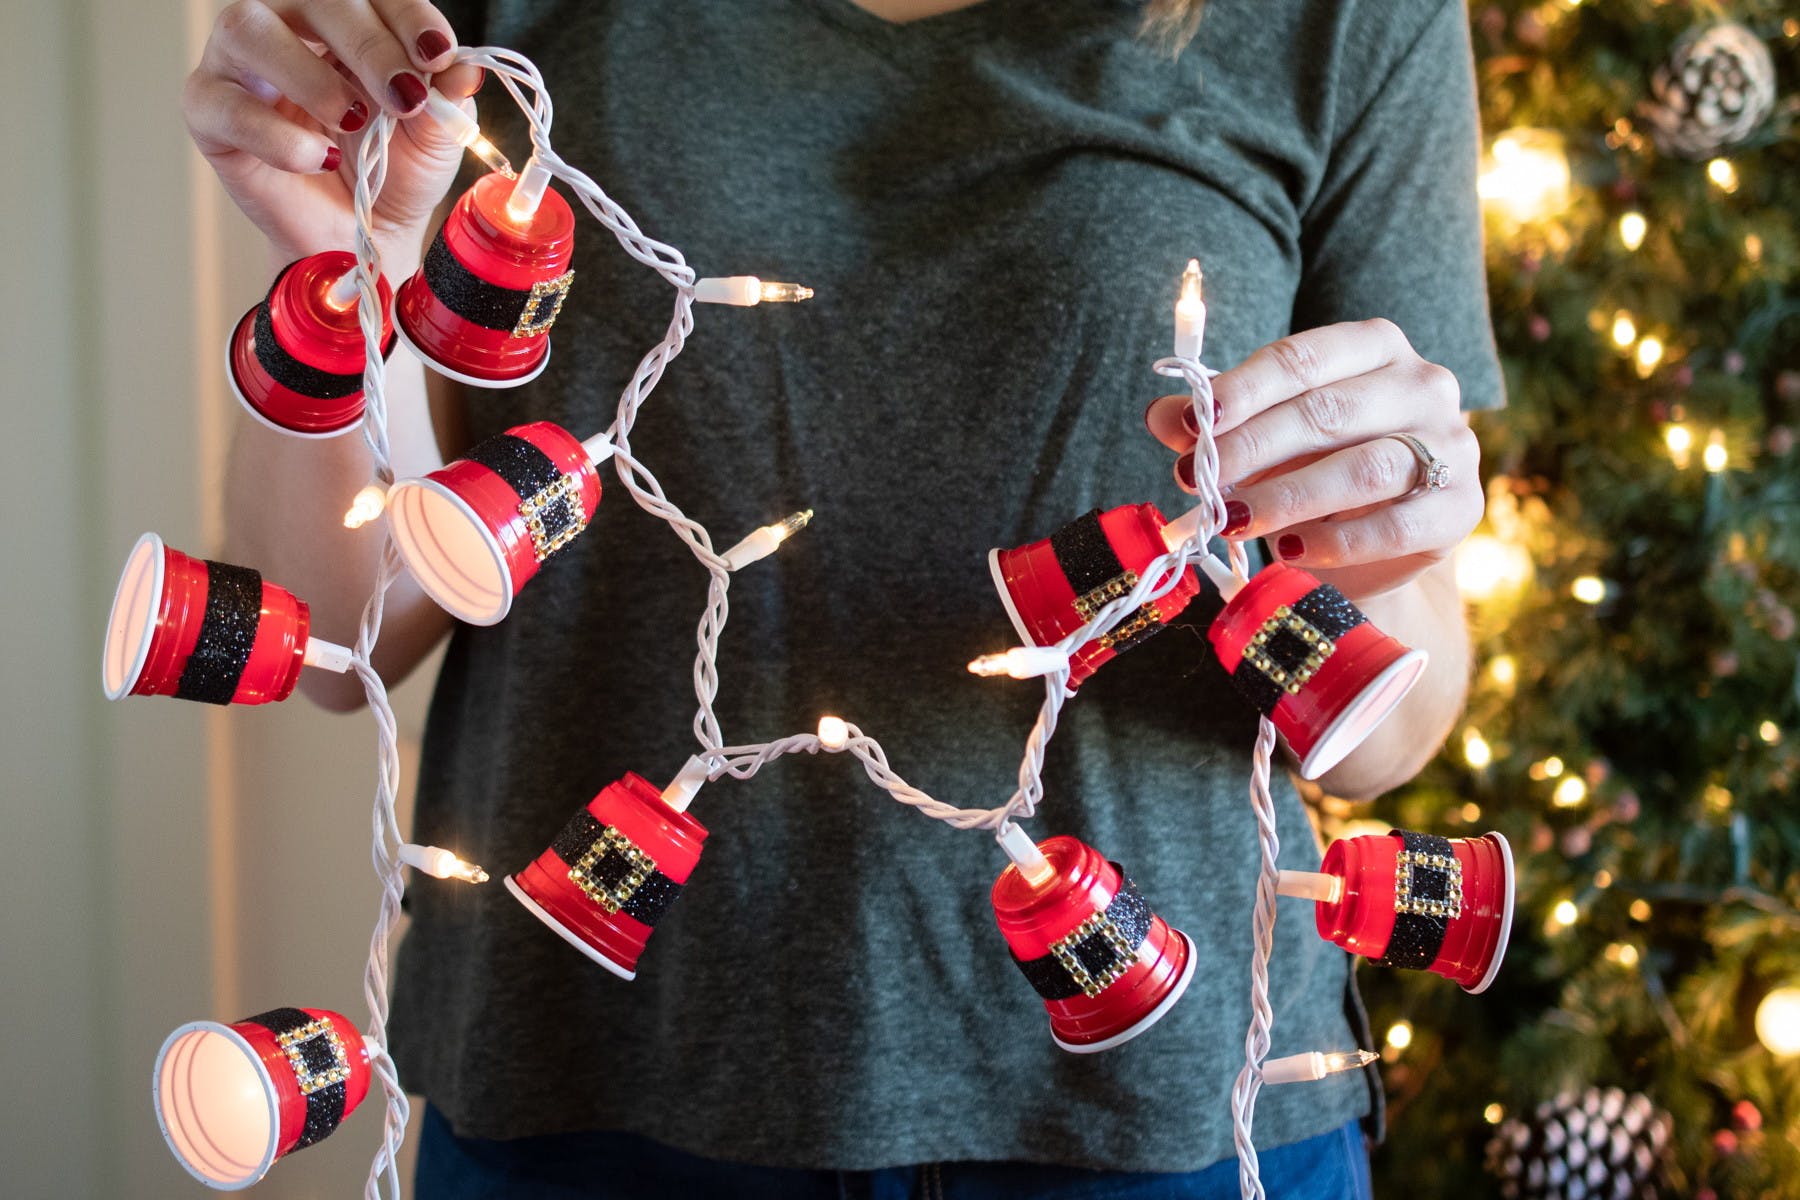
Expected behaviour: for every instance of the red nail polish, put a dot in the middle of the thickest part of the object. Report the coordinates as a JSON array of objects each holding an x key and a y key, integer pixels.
[
  {"x": 1188, "y": 422},
  {"x": 1237, "y": 517},
  {"x": 1184, "y": 471},
  {"x": 1290, "y": 546},
  {"x": 333, "y": 156},
  {"x": 1218, "y": 410},
  {"x": 431, "y": 44},
  {"x": 480, "y": 80},
  {"x": 407, "y": 90},
  {"x": 354, "y": 118}
]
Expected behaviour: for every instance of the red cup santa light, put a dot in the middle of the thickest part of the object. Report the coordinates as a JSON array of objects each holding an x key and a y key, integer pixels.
[
  {"x": 1416, "y": 901},
  {"x": 481, "y": 306},
  {"x": 296, "y": 360},
  {"x": 613, "y": 871},
  {"x": 1055, "y": 585},
  {"x": 208, "y": 631},
  {"x": 231, "y": 1099},
  {"x": 1106, "y": 966},
  {"x": 475, "y": 532},
  {"x": 1309, "y": 660}
]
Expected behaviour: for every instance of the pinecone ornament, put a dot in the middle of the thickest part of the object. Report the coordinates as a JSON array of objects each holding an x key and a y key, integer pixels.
[
  {"x": 1716, "y": 88},
  {"x": 1600, "y": 1145}
]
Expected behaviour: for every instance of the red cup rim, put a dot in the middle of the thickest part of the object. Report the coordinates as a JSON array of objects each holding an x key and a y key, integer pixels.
[
  {"x": 146, "y": 626},
  {"x": 411, "y": 552},
  {"x": 1012, "y": 610},
  {"x": 481, "y": 381},
  {"x": 1359, "y": 718},
  {"x": 564, "y": 932},
  {"x": 1506, "y": 915},
  {"x": 1148, "y": 1019},
  {"x": 262, "y": 1075}
]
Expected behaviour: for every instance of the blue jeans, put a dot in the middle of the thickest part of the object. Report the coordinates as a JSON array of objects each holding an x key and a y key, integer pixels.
[{"x": 623, "y": 1166}]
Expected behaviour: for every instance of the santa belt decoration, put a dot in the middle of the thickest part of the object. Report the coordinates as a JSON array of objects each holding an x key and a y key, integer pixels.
[
  {"x": 292, "y": 374},
  {"x": 321, "y": 1064},
  {"x": 523, "y": 313},
  {"x": 1097, "y": 577},
  {"x": 1292, "y": 644},
  {"x": 549, "y": 500},
  {"x": 227, "y": 633},
  {"x": 1096, "y": 953},
  {"x": 611, "y": 871},
  {"x": 1427, "y": 894}
]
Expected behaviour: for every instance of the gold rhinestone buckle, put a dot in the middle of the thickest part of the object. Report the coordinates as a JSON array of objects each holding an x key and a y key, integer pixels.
[
  {"x": 1148, "y": 617},
  {"x": 293, "y": 1044},
  {"x": 1091, "y": 602},
  {"x": 612, "y": 897},
  {"x": 1406, "y": 902},
  {"x": 1285, "y": 618},
  {"x": 565, "y": 491},
  {"x": 1090, "y": 984},
  {"x": 534, "y": 320}
]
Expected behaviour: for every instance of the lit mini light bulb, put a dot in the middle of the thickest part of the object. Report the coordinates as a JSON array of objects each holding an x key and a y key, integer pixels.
[
  {"x": 1021, "y": 662},
  {"x": 1680, "y": 441},
  {"x": 1026, "y": 856},
  {"x": 344, "y": 294},
  {"x": 834, "y": 733},
  {"x": 367, "y": 504},
  {"x": 462, "y": 127},
  {"x": 441, "y": 863},
  {"x": 528, "y": 193},
  {"x": 1190, "y": 313},
  {"x": 766, "y": 540},
  {"x": 747, "y": 291},
  {"x": 1314, "y": 1064},
  {"x": 1624, "y": 329},
  {"x": 1632, "y": 228},
  {"x": 1649, "y": 354},
  {"x": 1715, "y": 458}
]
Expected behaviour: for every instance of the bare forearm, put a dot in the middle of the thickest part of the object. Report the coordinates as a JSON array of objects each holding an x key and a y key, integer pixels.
[
  {"x": 285, "y": 503},
  {"x": 1426, "y": 614}
]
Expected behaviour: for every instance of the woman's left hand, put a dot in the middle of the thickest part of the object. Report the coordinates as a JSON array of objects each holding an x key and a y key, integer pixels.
[{"x": 1308, "y": 458}]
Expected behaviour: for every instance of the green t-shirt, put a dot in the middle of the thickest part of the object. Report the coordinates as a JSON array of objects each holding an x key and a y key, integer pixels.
[{"x": 994, "y": 206}]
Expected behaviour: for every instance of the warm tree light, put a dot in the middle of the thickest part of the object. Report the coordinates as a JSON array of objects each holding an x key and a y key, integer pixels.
[
  {"x": 1723, "y": 175},
  {"x": 1680, "y": 441},
  {"x": 1526, "y": 175},
  {"x": 1589, "y": 589},
  {"x": 1769, "y": 732},
  {"x": 1649, "y": 354},
  {"x": 1632, "y": 227},
  {"x": 1487, "y": 567},
  {"x": 1570, "y": 792},
  {"x": 1563, "y": 915},
  {"x": 1715, "y": 458},
  {"x": 1476, "y": 752},
  {"x": 1778, "y": 1022},
  {"x": 1624, "y": 329},
  {"x": 1400, "y": 1034}
]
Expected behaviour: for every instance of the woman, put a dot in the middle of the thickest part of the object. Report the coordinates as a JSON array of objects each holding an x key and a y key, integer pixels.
[{"x": 992, "y": 200}]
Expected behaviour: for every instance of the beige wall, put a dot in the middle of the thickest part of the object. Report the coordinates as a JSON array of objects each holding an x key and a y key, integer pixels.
[{"x": 162, "y": 861}]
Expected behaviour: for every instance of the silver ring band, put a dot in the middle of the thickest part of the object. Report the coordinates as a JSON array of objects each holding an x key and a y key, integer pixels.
[{"x": 1434, "y": 472}]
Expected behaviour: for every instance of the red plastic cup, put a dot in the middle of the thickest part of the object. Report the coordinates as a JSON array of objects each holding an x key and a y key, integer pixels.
[
  {"x": 231, "y": 1099},
  {"x": 1121, "y": 989},
  {"x": 1330, "y": 703},
  {"x": 308, "y": 383},
  {"x": 169, "y": 634},
  {"x": 473, "y": 540},
  {"x": 1043, "y": 604},
  {"x": 490, "y": 254},
  {"x": 612, "y": 872},
  {"x": 1475, "y": 938}
]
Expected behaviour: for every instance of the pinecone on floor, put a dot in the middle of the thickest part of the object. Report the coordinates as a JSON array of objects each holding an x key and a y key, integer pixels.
[
  {"x": 1717, "y": 88},
  {"x": 1599, "y": 1145}
]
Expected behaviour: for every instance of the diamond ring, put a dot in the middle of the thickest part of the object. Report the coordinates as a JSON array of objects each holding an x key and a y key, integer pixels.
[{"x": 1434, "y": 472}]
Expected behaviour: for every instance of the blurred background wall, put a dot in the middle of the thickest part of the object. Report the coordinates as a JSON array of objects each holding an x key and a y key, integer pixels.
[{"x": 161, "y": 862}]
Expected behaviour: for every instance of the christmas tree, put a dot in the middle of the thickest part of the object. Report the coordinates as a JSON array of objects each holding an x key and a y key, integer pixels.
[{"x": 1634, "y": 723}]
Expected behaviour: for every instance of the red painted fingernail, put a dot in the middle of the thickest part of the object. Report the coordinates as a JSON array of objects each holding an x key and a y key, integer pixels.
[
  {"x": 1237, "y": 517},
  {"x": 407, "y": 90},
  {"x": 431, "y": 44},
  {"x": 480, "y": 80},
  {"x": 1290, "y": 546},
  {"x": 333, "y": 156},
  {"x": 1184, "y": 471},
  {"x": 354, "y": 118},
  {"x": 1188, "y": 422}
]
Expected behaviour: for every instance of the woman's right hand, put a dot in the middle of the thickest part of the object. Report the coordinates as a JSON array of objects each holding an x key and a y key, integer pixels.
[{"x": 282, "y": 83}]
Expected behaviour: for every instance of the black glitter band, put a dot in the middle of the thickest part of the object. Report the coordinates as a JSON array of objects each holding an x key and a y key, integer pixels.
[
  {"x": 611, "y": 866},
  {"x": 227, "y": 632},
  {"x": 290, "y": 372},
  {"x": 1425, "y": 894},
  {"x": 1085, "y": 556},
  {"x": 549, "y": 500},
  {"x": 321, "y": 1065},
  {"x": 1102, "y": 954},
  {"x": 520, "y": 312},
  {"x": 1329, "y": 614}
]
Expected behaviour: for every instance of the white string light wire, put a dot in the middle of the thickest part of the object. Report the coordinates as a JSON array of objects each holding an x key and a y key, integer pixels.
[{"x": 525, "y": 86}]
